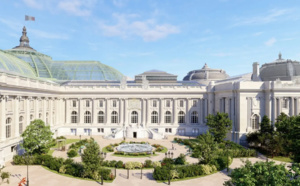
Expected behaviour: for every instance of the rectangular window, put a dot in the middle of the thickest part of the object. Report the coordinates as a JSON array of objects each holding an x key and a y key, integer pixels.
[
  {"x": 74, "y": 103},
  {"x": 181, "y": 103},
  {"x": 194, "y": 103},
  {"x": 154, "y": 103},
  {"x": 170, "y": 130},
  {"x": 166, "y": 130},
  {"x": 114, "y": 103},
  {"x": 101, "y": 103},
  {"x": 168, "y": 104}
]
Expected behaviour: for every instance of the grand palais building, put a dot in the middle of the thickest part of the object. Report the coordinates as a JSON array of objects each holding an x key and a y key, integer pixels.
[{"x": 89, "y": 98}]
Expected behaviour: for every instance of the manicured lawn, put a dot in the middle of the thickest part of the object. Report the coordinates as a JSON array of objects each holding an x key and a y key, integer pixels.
[
  {"x": 68, "y": 141},
  {"x": 67, "y": 175},
  {"x": 164, "y": 151},
  {"x": 283, "y": 159},
  {"x": 50, "y": 152},
  {"x": 105, "y": 150}
]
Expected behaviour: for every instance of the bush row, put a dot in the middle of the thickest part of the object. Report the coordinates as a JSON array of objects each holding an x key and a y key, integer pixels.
[
  {"x": 65, "y": 166},
  {"x": 131, "y": 165},
  {"x": 180, "y": 172}
]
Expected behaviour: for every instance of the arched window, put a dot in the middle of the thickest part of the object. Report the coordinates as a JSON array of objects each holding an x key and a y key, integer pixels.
[
  {"x": 254, "y": 122},
  {"x": 114, "y": 117},
  {"x": 21, "y": 123},
  {"x": 40, "y": 115},
  {"x": 134, "y": 117},
  {"x": 181, "y": 117},
  {"x": 168, "y": 117},
  {"x": 100, "y": 117},
  {"x": 31, "y": 117},
  {"x": 154, "y": 117},
  {"x": 87, "y": 117},
  {"x": 8, "y": 128},
  {"x": 74, "y": 117},
  {"x": 194, "y": 117}
]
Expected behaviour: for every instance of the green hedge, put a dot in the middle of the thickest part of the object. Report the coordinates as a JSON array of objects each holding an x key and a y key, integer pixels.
[
  {"x": 180, "y": 172},
  {"x": 66, "y": 166}
]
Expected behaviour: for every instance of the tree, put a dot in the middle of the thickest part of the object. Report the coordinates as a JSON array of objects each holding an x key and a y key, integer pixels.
[
  {"x": 91, "y": 159},
  {"x": 264, "y": 173},
  {"x": 265, "y": 125},
  {"x": 219, "y": 125},
  {"x": 206, "y": 149},
  {"x": 37, "y": 138}
]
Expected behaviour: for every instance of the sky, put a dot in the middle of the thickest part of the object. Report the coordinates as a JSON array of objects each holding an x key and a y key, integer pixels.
[{"x": 176, "y": 36}]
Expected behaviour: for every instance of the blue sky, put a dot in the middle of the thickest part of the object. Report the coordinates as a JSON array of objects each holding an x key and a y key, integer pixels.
[{"x": 176, "y": 36}]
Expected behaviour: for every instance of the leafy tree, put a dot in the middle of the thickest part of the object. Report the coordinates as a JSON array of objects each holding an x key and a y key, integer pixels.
[
  {"x": 206, "y": 149},
  {"x": 37, "y": 138},
  {"x": 91, "y": 159},
  {"x": 219, "y": 125},
  {"x": 264, "y": 173},
  {"x": 266, "y": 126}
]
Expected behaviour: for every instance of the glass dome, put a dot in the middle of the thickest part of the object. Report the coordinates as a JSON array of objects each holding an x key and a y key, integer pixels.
[
  {"x": 84, "y": 70},
  {"x": 12, "y": 64},
  {"x": 45, "y": 67}
]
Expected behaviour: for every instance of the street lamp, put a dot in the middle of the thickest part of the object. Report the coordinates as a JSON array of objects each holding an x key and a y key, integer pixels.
[
  {"x": 169, "y": 178},
  {"x": 142, "y": 172},
  {"x": 169, "y": 154},
  {"x": 27, "y": 169},
  {"x": 172, "y": 154},
  {"x": 228, "y": 146},
  {"x": 166, "y": 154}
]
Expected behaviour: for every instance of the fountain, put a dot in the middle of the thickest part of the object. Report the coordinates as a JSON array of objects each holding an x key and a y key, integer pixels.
[{"x": 132, "y": 148}]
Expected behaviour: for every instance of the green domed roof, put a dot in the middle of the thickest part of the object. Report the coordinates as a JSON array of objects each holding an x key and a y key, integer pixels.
[
  {"x": 12, "y": 64},
  {"x": 45, "y": 67}
]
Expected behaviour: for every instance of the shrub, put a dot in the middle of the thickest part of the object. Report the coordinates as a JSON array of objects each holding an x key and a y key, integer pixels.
[
  {"x": 19, "y": 160},
  {"x": 109, "y": 148},
  {"x": 119, "y": 153},
  {"x": 160, "y": 173},
  {"x": 156, "y": 164},
  {"x": 148, "y": 164},
  {"x": 105, "y": 163},
  {"x": 167, "y": 161},
  {"x": 72, "y": 153},
  {"x": 119, "y": 164},
  {"x": 206, "y": 169},
  {"x": 221, "y": 162},
  {"x": 133, "y": 165},
  {"x": 62, "y": 169},
  {"x": 61, "y": 137},
  {"x": 112, "y": 163},
  {"x": 180, "y": 160}
]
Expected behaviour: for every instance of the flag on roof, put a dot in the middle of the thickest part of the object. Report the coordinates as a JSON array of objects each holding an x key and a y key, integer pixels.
[{"x": 29, "y": 18}]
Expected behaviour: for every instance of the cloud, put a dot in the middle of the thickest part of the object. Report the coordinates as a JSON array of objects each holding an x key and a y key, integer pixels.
[
  {"x": 77, "y": 7},
  {"x": 72, "y": 7},
  {"x": 33, "y": 4},
  {"x": 272, "y": 16},
  {"x": 47, "y": 35},
  {"x": 148, "y": 29},
  {"x": 270, "y": 42},
  {"x": 118, "y": 3}
]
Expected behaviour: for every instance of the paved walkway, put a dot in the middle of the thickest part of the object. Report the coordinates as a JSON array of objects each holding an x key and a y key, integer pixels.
[{"x": 40, "y": 176}]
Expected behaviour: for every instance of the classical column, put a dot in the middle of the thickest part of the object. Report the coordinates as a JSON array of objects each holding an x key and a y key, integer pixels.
[
  {"x": 36, "y": 104},
  {"x": 126, "y": 112},
  {"x": 106, "y": 111},
  {"x": 15, "y": 123},
  {"x": 44, "y": 104},
  {"x": 279, "y": 106},
  {"x": 50, "y": 111},
  {"x": 80, "y": 111},
  {"x": 27, "y": 112},
  {"x": 292, "y": 106},
  {"x": 2, "y": 116},
  {"x": 160, "y": 104},
  {"x": 205, "y": 109},
  {"x": 296, "y": 106},
  {"x": 174, "y": 118},
  {"x": 187, "y": 113},
  {"x": 148, "y": 115},
  {"x": 94, "y": 110},
  {"x": 143, "y": 112},
  {"x": 67, "y": 111},
  {"x": 121, "y": 111}
]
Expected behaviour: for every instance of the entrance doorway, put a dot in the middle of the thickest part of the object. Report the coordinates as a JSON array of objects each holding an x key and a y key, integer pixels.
[{"x": 134, "y": 134}]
